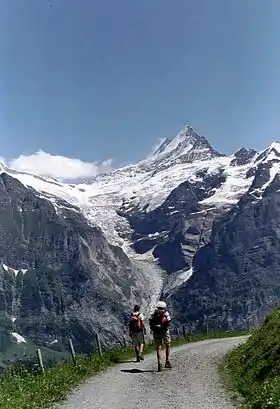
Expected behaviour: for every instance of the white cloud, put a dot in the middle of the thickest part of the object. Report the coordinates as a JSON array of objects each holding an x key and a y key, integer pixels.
[
  {"x": 56, "y": 166},
  {"x": 107, "y": 163}
]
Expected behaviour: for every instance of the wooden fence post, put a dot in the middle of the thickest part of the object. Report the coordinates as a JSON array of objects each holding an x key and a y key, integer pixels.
[
  {"x": 248, "y": 324},
  {"x": 184, "y": 332},
  {"x": 40, "y": 360},
  {"x": 124, "y": 342},
  {"x": 178, "y": 333},
  {"x": 98, "y": 345},
  {"x": 72, "y": 350}
]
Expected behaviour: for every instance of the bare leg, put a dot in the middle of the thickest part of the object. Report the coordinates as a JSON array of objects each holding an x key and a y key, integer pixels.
[
  {"x": 141, "y": 352},
  {"x": 159, "y": 348},
  {"x": 159, "y": 353},
  {"x": 167, "y": 363},
  {"x": 168, "y": 351}
]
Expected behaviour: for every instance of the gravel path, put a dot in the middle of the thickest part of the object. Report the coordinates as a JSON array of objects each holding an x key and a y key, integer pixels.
[{"x": 192, "y": 383}]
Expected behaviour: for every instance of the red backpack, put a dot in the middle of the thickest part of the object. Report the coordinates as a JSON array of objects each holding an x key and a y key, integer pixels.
[
  {"x": 159, "y": 322},
  {"x": 135, "y": 324}
]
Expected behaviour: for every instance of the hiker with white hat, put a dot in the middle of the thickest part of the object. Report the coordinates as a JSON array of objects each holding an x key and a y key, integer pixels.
[{"x": 160, "y": 324}]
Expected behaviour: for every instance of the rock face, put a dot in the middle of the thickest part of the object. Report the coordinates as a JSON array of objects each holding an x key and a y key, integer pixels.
[
  {"x": 236, "y": 278},
  {"x": 188, "y": 223},
  {"x": 59, "y": 277},
  {"x": 217, "y": 238}
]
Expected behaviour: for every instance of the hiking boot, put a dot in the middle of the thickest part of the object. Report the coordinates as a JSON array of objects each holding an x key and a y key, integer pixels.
[
  {"x": 168, "y": 365},
  {"x": 138, "y": 359},
  {"x": 141, "y": 357},
  {"x": 159, "y": 367}
]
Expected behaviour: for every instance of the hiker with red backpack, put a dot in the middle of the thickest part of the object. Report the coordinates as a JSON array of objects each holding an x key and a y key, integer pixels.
[
  {"x": 137, "y": 331},
  {"x": 160, "y": 324}
]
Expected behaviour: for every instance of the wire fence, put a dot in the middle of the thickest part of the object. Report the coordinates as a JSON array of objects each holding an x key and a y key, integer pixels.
[{"x": 37, "y": 364}]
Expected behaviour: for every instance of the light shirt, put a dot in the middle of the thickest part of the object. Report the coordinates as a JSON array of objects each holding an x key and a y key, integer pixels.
[{"x": 140, "y": 315}]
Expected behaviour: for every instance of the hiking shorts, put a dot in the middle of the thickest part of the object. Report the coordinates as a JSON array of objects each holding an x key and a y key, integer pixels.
[
  {"x": 163, "y": 337},
  {"x": 137, "y": 339}
]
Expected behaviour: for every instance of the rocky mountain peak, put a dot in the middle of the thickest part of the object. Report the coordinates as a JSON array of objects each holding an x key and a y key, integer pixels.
[
  {"x": 186, "y": 147},
  {"x": 272, "y": 153},
  {"x": 243, "y": 156},
  {"x": 181, "y": 143}
]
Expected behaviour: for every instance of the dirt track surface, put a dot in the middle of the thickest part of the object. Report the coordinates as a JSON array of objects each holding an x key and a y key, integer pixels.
[{"x": 192, "y": 383}]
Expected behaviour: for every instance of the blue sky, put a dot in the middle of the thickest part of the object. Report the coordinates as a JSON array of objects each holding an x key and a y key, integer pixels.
[{"x": 94, "y": 79}]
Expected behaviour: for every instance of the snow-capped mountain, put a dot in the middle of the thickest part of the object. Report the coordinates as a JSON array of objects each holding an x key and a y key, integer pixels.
[
  {"x": 112, "y": 200},
  {"x": 184, "y": 204},
  {"x": 145, "y": 185}
]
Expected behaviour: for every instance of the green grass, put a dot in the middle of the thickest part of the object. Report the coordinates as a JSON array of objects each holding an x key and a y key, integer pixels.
[
  {"x": 254, "y": 367},
  {"x": 25, "y": 390}
]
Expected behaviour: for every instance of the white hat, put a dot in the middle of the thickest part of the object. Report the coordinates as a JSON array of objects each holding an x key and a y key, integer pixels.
[{"x": 161, "y": 304}]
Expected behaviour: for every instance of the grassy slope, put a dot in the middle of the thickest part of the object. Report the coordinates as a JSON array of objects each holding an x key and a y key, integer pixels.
[
  {"x": 28, "y": 351},
  {"x": 27, "y": 391},
  {"x": 254, "y": 367}
]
